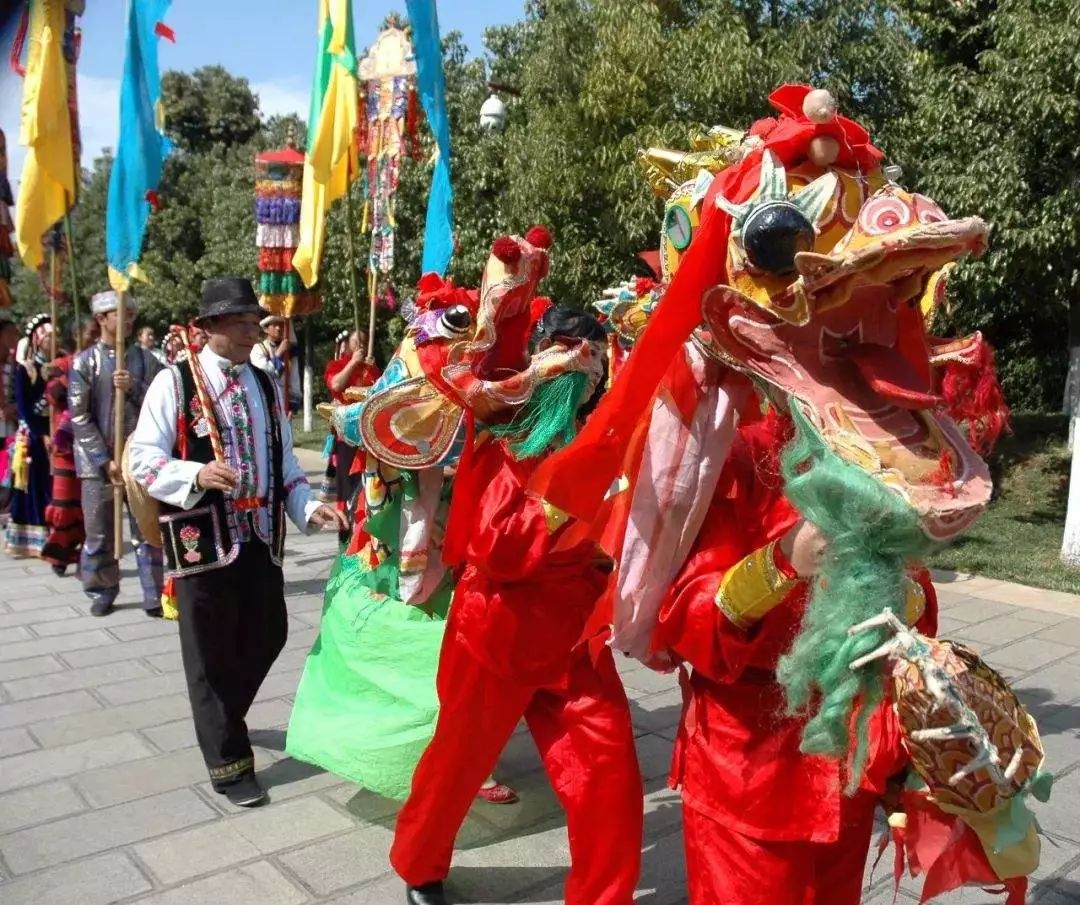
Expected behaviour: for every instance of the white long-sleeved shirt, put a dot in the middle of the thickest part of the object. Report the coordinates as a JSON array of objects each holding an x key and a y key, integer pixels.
[
  {"x": 172, "y": 480},
  {"x": 263, "y": 358}
]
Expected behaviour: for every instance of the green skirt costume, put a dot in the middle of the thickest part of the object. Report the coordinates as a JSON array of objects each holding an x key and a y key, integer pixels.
[{"x": 366, "y": 705}]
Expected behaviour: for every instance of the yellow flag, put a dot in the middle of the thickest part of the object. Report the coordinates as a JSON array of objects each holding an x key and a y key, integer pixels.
[
  {"x": 332, "y": 161},
  {"x": 47, "y": 186}
]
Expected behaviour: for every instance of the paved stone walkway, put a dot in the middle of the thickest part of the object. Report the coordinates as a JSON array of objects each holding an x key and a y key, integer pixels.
[{"x": 104, "y": 798}]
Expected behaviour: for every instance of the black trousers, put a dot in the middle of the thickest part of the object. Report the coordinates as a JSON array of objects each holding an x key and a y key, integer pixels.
[{"x": 232, "y": 628}]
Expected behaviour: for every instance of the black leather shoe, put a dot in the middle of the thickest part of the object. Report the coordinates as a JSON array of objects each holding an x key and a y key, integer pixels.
[
  {"x": 428, "y": 894},
  {"x": 155, "y": 612},
  {"x": 245, "y": 792},
  {"x": 101, "y": 608}
]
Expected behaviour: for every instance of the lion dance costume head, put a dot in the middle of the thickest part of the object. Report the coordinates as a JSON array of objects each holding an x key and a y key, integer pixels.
[{"x": 791, "y": 256}]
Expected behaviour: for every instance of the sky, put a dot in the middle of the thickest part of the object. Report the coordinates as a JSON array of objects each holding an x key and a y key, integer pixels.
[{"x": 271, "y": 43}]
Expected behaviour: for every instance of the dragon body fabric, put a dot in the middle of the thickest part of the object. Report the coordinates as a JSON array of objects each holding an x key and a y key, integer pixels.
[
  {"x": 366, "y": 705},
  {"x": 783, "y": 356}
]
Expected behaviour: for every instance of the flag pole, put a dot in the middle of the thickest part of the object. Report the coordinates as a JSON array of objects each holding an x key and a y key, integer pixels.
[
  {"x": 52, "y": 296},
  {"x": 350, "y": 226},
  {"x": 74, "y": 282},
  {"x": 118, "y": 426}
]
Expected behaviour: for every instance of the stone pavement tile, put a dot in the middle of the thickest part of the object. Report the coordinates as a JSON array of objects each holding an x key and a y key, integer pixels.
[
  {"x": 947, "y": 627},
  {"x": 1059, "y": 815},
  {"x": 123, "y": 650},
  {"x": 654, "y": 756},
  {"x": 280, "y": 826},
  {"x": 205, "y": 849},
  {"x": 24, "y": 591},
  {"x": 61, "y": 643},
  {"x": 69, "y": 760},
  {"x": 1000, "y": 630},
  {"x": 1061, "y": 747},
  {"x": 145, "y": 628},
  {"x": 32, "y": 666},
  {"x": 87, "y": 623},
  {"x": 96, "y": 881},
  {"x": 663, "y": 871},
  {"x": 35, "y": 617},
  {"x": 253, "y": 884},
  {"x": 365, "y": 806},
  {"x": 289, "y": 778},
  {"x": 170, "y": 661},
  {"x": 1066, "y": 632},
  {"x": 538, "y": 805},
  {"x": 29, "y": 807},
  {"x": 143, "y": 689},
  {"x": 498, "y": 871},
  {"x": 1054, "y": 854},
  {"x": 342, "y": 861},
  {"x": 658, "y": 712},
  {"x": 663, "y": 809},
  {"x": 15, "y": 741},
  {"x": 388, "y": 889},
  {"x": 120, "y": 782},
  {"x": 301, "y": 640},
  {"x": 15, "y": 633},
  {"x": 74, "y": 679},
  {"x": 1029, "y": 654},
  {"x": 305, "y": 603},
  {"x": 79, "y": 726},
  {"x": 23, "y": 712},
  {"x": 518, "y": 757},
  {"x": 101, "y": 830},
  {"x": 279, "y": 684},
  {"x": 1059, "y": 890},
  {"x": 650, "y": 681},
  {"x": 976, "y": 610},
  {"x": 1056, "y": 684}
]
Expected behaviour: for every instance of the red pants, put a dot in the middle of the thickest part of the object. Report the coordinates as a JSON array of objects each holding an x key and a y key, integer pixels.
[
  {"x": 724, "y": 867},
  {"x": 581, "y": 726}
]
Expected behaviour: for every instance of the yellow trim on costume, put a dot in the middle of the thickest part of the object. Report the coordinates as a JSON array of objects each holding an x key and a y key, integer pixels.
[
  {"x": 554, "y": 517},
  {"x": 914, "y": 601},
  {"x": 753, "y": 587}
]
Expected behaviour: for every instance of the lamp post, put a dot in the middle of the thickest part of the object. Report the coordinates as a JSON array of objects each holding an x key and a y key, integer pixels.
[{"x": 493, "y": 110}]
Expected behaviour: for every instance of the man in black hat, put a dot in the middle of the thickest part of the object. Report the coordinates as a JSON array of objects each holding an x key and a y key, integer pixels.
[{"x": 212, "y": 446}]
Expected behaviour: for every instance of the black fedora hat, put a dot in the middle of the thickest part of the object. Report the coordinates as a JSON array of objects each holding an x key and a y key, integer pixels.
[{"x": 227, "y": 295}]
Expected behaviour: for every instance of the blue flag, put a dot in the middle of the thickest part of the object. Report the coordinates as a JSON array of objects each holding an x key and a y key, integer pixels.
[
  {"x": 439, "y": 229},
  {"x": 142, "y": 146}
]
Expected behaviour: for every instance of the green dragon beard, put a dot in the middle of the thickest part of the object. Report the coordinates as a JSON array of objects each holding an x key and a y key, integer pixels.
[
  {"x": 871, "y": 535},
  {"x": 550, "y": 415}
]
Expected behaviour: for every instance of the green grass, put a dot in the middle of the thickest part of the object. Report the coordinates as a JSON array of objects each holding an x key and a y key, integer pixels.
[
  {"x": 313, "y": 439},
  {"x": 1018, "y": 538}
]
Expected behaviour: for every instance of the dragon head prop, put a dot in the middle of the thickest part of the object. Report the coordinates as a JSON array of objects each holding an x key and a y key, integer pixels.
[{"x": 465, "y": 352}]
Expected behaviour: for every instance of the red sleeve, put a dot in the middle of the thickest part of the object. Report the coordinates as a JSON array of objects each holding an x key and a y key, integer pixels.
[
  {"x": 369, "y": 375},
  {"x": 333, "y": 368},
  {"x": 510, "y": 537},
  {"x": 748, "y": 511}
]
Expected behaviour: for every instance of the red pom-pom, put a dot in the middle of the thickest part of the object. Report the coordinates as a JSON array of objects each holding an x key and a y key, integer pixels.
[
  {"x": 506, "y": 250},
  {"x": 539, "y": 237}
]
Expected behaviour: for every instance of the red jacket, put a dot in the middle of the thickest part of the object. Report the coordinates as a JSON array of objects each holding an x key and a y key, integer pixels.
[
  {"x": 737, "y": 756},
  {"x": 521, "y": 603}
]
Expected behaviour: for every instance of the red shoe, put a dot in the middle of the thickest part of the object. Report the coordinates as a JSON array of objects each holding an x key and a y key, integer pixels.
[{"x": 498, "y": 794}]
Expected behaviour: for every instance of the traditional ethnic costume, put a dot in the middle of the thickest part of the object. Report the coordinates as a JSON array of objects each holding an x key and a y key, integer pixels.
[
  {"x": 63, "y": 516},
  {"x": 91, "y": 397},
  {"x": 286, "y": 372},
  {"x": 30, "y": 480},
  {"x": 341, "y": 480},
  {"x": 516, "y": 647},
  {"x": 224, "y": 551},
  {"x": 799, "y": 279}
]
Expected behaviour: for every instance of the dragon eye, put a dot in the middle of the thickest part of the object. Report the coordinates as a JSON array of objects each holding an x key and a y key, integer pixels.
[
  {"x": 774, "y": 233},
  {"x": 457, "y": 319}
]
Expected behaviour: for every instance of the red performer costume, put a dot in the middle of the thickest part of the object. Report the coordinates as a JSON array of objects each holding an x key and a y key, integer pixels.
[
  {"x": 514, "y": 649},
  {"x": 763, "y": 822}
]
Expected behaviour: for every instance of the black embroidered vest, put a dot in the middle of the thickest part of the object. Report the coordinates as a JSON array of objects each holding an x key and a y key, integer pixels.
[{"x": 205, "y": 537}]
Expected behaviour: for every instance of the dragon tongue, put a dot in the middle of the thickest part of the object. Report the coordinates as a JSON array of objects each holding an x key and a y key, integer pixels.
[{"x": 892, "y": 376}]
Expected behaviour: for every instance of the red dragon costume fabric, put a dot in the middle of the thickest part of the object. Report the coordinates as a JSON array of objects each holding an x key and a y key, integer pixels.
[{"x": 786, "y": 375}]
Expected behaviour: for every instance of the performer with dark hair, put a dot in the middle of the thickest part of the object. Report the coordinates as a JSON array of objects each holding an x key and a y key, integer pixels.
[
  {"x": 30, "y": 482},
  {"x": 93, "y": 382},
  {"x": 513, "y": 648},
  {"x": 64, "y": 515},
  {"x": 213, "y": 448}
]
